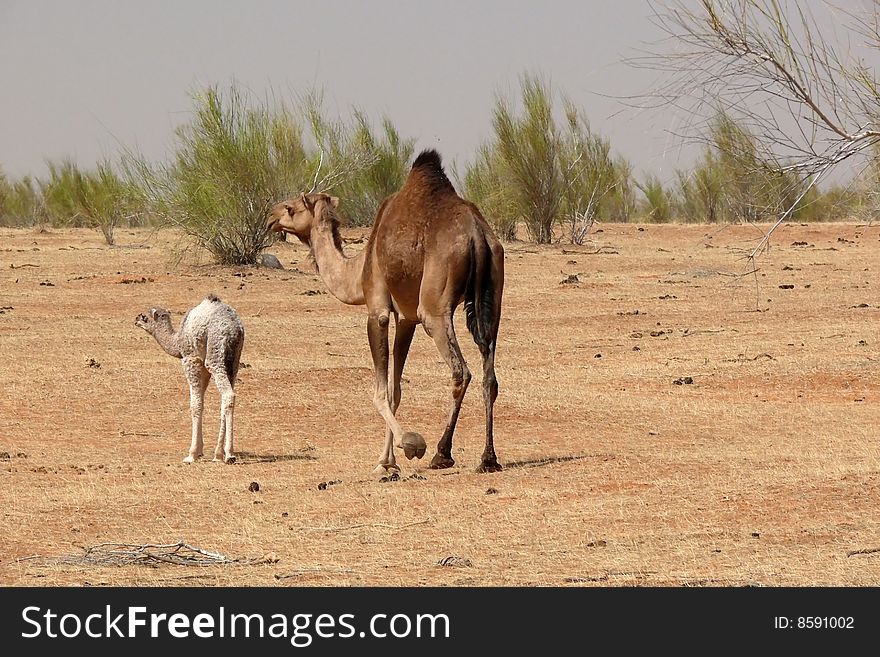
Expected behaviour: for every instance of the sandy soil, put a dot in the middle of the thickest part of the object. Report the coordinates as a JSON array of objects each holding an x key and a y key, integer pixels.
[{"x": 763, "y": 469}]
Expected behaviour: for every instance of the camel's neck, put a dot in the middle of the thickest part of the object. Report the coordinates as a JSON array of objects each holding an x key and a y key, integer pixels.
[
  {"x": 168, "y": 339},
  {"x": 340, "y": 274}
]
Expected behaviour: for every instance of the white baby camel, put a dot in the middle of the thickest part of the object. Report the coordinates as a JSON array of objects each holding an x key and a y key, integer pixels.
[{"x": 209, "y": 341}]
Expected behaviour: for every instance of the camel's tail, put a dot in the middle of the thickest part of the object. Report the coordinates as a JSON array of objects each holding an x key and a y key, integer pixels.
[{"x": 479, "y": 295}]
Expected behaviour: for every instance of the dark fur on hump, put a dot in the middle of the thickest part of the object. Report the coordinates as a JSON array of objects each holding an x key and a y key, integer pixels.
[
  {"x": 212, "y": 297},
  {"x": 429, "y": 168}
]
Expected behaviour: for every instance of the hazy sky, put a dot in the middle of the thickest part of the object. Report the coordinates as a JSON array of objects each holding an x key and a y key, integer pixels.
[{"x": 79, "y": 77}]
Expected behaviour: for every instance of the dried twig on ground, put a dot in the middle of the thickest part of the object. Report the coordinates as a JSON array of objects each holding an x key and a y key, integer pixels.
[
  {"x": 127, "y": 554},
  {"x": 852, "y": 553}
]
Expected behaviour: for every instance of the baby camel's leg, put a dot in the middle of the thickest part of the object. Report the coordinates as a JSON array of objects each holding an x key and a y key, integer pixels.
[
  {"x": 227, "y": 406},
  {"x": 198, "y": 377}
]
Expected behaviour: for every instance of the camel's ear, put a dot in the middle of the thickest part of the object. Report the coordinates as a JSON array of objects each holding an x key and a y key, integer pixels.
[
  {"x": 309, "y": 205},
  {"x": 334, "y": 201}
]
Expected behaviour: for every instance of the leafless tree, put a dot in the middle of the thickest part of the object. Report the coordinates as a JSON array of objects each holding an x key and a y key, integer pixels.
[{"x": 805, "y": 93}]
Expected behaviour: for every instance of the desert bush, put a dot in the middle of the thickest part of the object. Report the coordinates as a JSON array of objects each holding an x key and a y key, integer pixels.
[
  {"x": 97, "y": 198},
  {"x": 355, "y": 163},
  {"x": 24, "y": 205},
  {"x": 543, "y": 175},
  {"x": 528, "y": 147},
  {"x": 484, "y": 185},
  {"x": 658, "y": 204},
  {"x": 59, "y": 192},
  {"x": 15, "y": 210},
  {"x": 734, "y": 181},
  {"x": 236, "y": 158},
  {"x": 232, "y": 162},
  {"x": 588, "y": 174},
  {"x": 105, "y": 200}
]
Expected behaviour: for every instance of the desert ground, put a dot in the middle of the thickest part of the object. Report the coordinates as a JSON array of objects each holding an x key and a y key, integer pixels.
[{"x": 663, "y": 419}]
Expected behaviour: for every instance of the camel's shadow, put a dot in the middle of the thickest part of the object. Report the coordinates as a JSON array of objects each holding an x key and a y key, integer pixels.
[{"x": 248, "y": 458}]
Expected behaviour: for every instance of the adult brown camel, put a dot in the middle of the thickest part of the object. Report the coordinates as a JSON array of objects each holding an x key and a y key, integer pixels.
[{"x": 429, "y": 251}]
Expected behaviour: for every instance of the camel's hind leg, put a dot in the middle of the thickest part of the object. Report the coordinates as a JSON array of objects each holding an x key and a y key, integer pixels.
[
  {"x": 224, "y": 449},
  {"x": 489, "y": 461},
  {"x": 197, "y": 377},
  {"x": 441, "y": 329},
  {"x": 377, "y": 332}
]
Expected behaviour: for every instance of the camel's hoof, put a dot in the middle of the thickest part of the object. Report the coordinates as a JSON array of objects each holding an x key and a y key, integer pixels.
[
  {"x": 191, "y": 459},
  {"x": 492, "y": 465},
  {"x": 440, "y": 462},
  {"x": 229, "y": 460},
  {"x": 383, "y": 469},
  {"x": 413, "y": 445}
]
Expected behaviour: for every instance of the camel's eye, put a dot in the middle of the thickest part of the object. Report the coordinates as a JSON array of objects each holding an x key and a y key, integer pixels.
[{"x": 290, "y": 210}]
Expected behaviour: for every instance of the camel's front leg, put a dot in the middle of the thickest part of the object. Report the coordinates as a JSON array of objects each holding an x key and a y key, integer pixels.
[
  {"x": 403, "y": 335},
  {"x": 377, "y": 333},
  {"x": 197, "y": 377}
]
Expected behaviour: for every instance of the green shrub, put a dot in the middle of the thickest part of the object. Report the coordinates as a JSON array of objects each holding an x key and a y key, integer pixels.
[
  {"x": 535, "y": 172},
  {"x": 356, "y": 164},
  {"x": 232, "y": 163}
]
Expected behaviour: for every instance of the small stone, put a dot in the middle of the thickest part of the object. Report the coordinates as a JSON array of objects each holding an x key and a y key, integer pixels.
[
  {"x": 491, "y": 491},
  {"x": 254, "y": 487},
  {"x": 270, "y": 261}
]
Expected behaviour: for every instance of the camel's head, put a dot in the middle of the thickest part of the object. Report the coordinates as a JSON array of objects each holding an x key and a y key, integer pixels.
[
  {"x": 298, "y": 215},
  {"x": 152, "y": 318}
]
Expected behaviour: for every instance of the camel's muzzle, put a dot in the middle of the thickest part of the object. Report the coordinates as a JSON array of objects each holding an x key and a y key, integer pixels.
[{"x": 274, "y": 225}]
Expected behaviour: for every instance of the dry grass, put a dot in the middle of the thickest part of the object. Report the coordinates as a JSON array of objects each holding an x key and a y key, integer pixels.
[{"x": 764, "y": 470}]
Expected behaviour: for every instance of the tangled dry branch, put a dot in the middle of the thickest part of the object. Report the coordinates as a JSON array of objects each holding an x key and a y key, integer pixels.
[{"x": 153, "y": 555}]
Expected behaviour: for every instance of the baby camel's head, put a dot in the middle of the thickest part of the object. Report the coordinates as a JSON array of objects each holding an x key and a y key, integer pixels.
[{"x": 153, "y": 318}]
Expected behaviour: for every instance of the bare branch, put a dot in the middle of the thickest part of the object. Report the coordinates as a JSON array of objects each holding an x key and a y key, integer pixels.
[{"x": 317, "y": 171}]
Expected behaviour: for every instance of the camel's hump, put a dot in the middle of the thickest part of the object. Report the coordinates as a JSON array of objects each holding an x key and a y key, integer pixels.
[
  {"x": 427, "y": 173},
  {"x": 429, "y": 159}
]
